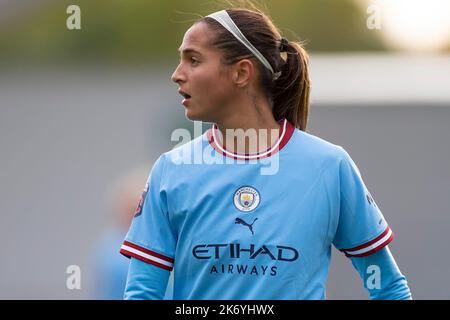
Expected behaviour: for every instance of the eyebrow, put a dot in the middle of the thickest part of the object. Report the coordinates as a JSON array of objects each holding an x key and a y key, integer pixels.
[{"x": 188, "y": 50}]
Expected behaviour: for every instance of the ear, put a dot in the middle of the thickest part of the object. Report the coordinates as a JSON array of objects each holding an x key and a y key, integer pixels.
[{"x": 243, "y": 72}]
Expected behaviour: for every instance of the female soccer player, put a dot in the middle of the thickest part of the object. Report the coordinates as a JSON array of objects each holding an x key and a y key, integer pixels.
[{"x": 253, "y": 220}]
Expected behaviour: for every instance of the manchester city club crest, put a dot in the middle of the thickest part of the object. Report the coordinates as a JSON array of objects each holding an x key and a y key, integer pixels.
[{"x": 246, "y": 199}]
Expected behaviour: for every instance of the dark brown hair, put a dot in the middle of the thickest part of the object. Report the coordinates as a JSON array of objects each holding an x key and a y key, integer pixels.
[{"x": 290, "y": 92}]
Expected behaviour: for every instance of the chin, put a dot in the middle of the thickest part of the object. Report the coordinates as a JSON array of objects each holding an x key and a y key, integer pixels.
[{"x": 195, "y": 116}]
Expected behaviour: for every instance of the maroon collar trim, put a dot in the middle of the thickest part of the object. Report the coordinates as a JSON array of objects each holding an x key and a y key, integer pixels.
[{"x": 287, "y": 129}]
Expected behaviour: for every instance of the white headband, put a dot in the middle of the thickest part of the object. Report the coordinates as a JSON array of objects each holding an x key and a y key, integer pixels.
[{"x": 225, "y": 20}]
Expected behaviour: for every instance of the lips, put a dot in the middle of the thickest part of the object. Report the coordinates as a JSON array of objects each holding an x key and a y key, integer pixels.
[{"x": 184, "y": 94}]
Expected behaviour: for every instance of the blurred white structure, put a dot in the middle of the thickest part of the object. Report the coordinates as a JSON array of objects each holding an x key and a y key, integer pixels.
[{"x": 375, "y": 79}]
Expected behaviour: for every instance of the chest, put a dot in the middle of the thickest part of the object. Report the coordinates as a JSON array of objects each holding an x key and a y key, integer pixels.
[{"x": 227, "y": 206}]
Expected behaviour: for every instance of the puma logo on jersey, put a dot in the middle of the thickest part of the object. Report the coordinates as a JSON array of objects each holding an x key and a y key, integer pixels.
[{"x": 250, "y": 226}]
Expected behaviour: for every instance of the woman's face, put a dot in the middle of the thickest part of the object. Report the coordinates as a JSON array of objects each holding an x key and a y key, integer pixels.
[{"x": 205, "y": 82}]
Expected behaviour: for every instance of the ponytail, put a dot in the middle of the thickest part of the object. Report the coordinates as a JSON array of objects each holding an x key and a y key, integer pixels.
[{"x": 290, "y": 92}]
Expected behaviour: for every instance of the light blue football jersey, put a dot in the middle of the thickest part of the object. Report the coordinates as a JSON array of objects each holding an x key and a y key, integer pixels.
[{"x": 230, "y": 231}]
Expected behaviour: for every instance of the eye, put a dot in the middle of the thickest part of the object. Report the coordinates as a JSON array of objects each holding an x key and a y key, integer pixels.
[{"x": 194, "y": 61}]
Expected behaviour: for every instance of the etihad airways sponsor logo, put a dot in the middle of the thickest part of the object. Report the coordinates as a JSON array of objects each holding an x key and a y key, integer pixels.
[
  {"x": 236, "y": 251},
  {"x": 231, "y": 258}
]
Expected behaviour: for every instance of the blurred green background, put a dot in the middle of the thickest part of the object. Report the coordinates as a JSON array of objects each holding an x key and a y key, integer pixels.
[{"x": 136, "y": 31}]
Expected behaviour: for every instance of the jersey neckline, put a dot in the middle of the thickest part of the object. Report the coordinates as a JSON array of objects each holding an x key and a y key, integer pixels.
[{"x": 287, "y": 129}]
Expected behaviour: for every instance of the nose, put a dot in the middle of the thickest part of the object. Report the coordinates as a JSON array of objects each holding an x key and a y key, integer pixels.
[{"x": 178, "y": 75}]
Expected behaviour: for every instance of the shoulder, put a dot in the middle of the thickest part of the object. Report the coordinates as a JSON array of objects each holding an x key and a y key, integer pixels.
[
  {"x": 184, "y": 154},
  {"x": 315, "y": 148}
]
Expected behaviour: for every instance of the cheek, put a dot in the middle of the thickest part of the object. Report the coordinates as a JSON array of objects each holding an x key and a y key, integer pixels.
[{"x": 214, "y": 85}]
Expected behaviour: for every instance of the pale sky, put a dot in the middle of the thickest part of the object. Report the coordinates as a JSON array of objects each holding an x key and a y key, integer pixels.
[{"x": 414, "y": 25}]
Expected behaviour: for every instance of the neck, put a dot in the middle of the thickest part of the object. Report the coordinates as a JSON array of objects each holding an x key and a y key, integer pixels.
[{"x": 252, "y": 130}]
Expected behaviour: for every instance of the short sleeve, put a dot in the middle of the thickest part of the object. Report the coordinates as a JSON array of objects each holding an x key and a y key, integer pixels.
[
  {"x": 150, "y": 237},
  {"x": 362, "y": 228}
]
